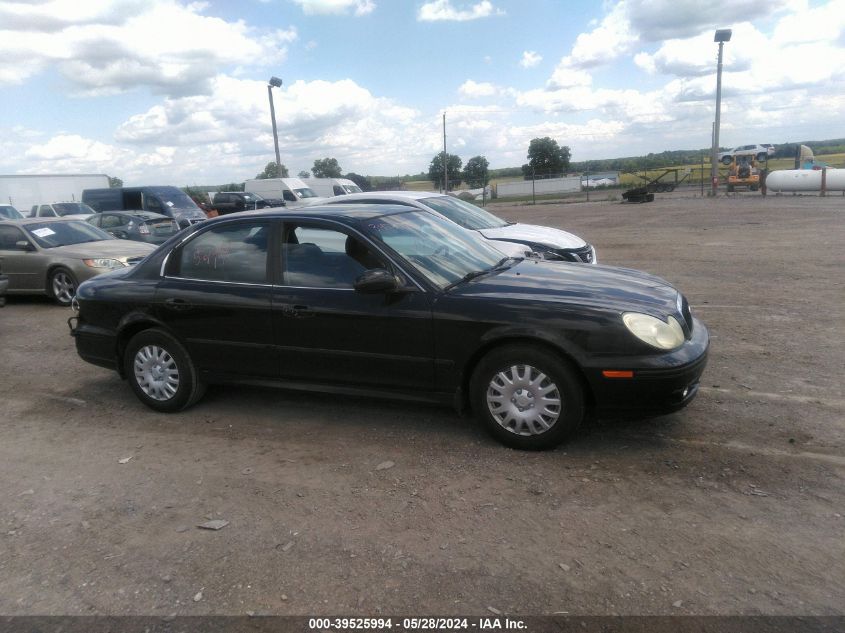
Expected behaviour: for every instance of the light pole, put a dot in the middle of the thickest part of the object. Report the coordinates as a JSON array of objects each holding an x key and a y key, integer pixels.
[
  {"x": 721, "y": 36},
  {"x": 275, "y": 82}
]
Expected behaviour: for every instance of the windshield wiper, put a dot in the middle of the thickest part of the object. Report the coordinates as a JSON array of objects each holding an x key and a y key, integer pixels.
[{"x": 497, "y": 267}]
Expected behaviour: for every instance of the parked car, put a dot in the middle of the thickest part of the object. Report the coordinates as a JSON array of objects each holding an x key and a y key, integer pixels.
[
  {"x": 233, "y": 201},
  {"x": 394, "y": 301},
  {"x": 759, "y": 151},
  {"x": 166, "y": 200},
  {"x": 53, "y": 256},
  {"x": 139, "y": 226},
  {"x": 74, "y": 210},
  {"x": 8, "y": 212},
  {"x": 549, "y": 243}
]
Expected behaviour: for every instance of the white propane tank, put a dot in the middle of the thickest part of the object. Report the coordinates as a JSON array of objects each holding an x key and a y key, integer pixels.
[{"x": 805, "y": 180}]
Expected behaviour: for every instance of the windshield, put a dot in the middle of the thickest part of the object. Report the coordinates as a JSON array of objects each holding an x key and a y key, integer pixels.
[
  {"x": 72, "y": 208},
  {"x": 176, "y": 198},
  {"x": 439, "y": 250},
  {"x": 305, "y": 192},
  {"x": 10, "y": 212},
  {"x": 352, "y": 189},
  {"x": 52, "y": 234},
  {"x": 463, "y": 213}
]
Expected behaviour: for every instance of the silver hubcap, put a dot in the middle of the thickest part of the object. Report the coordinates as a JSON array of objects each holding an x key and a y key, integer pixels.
[
  {"x": 524, "y": 400},
  {"x": 63, "y": 287},
  {"x": 156, "y": 372}
]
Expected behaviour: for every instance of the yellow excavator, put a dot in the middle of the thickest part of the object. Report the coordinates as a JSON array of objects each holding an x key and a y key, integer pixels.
[{"x": 743, "y": 172}]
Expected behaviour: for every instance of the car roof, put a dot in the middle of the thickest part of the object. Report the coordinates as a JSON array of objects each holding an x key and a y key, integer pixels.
[
  {"x": 389, "y": 195},
  {"x": 344, "y": 211}
]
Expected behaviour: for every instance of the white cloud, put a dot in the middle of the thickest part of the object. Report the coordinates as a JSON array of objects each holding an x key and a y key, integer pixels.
[
  {"x": 472, "y": 89},
  {"x": 442, "y": 10},
  {"x": 337, "y": 7},
  {"x": 101, "y": 50},
  {"x": 530, "y": 59},
  {"x": 564, "y": 76}
]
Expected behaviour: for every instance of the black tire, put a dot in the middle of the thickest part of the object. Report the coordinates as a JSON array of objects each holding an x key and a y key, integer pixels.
[
  {"x": 62, "y": 286},
  {"x": 727, "y": 160},
  {"x": 159, "y": 355},
  {"x": 518, "y": 423}
]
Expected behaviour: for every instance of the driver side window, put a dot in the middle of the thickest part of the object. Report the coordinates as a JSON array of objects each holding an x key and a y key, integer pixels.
[{"x": 9, "y": 237}]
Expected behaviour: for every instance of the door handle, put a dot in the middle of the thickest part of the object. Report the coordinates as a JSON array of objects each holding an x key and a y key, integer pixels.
[
  {"x": 297, "y": 312},
  {"x": 177, "y": 304}
]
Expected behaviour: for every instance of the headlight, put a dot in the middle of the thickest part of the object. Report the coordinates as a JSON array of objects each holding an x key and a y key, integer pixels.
[
  {"x": 102, "y": 262},
  {"x": 662, "y": 335}
]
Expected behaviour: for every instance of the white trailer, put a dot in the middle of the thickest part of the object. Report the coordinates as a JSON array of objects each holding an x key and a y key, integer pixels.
[
  {"x": 22, "y": 192},
  {"x": 541, "y": 187}
]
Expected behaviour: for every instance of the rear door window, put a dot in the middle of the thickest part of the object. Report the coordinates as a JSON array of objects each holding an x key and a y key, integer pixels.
[{"x": 233, "y": 252}]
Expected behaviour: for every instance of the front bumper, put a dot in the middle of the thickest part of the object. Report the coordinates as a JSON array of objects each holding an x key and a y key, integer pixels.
[{"x": 658, "y": 384}]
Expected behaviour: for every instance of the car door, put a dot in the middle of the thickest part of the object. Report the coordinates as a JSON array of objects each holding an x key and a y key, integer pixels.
[
  {"x": 25, "y": 266},
  {"x": 216, "y": 297},
  {"x": 330, "y": 333}
]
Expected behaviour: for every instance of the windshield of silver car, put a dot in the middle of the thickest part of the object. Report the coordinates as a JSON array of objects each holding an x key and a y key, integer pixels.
[
  {"x": 53, "y": 234},
  {"x": 439, "y": 250},
  {"x": 463, "y": 213}
]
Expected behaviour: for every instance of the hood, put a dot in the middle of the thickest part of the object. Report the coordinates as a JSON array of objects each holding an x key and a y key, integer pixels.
[
  {"x": 114, "y": 249},
  {"x": 602, "y": 287},
  {"x": 532, "y": 234}
]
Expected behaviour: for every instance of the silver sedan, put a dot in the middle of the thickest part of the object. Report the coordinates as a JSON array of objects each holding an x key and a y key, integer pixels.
[{"x": 53, "y": 256}]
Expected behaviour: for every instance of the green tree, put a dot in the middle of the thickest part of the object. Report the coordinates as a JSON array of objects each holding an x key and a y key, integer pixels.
[
  {"x": 272, "y": 170},
  {"x": 115, "y": 182},
  {"x": 361, "y": 181},
  {"x": 476, "y": 172},
  {"x": 546, "y": 158},
  {"x": 453, "y": 166},
  {"x": 326, "y": 168},
  {"x": 232, "y": 186},
  {"x": 304, "y": 174}
]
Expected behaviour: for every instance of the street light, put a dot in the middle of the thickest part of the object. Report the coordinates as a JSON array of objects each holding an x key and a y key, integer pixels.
[
  {"x": 275, "y": 82},
  {"x": 721, "y": 36}
]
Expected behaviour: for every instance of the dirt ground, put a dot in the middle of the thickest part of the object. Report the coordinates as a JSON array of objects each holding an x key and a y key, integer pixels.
[{"x": 735, "y": 505}]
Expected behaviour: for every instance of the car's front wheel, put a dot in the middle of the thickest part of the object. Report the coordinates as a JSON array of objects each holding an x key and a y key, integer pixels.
[
  {"x": 161, "y": 372},
  {"x": 62, "y": 286},
  {"x": 527, "y": 397}
]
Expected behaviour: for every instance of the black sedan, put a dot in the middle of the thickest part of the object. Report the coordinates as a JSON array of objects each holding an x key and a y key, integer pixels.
[
  {"x": 392, "y": 301},
  {"x": 139, "y": 226}
]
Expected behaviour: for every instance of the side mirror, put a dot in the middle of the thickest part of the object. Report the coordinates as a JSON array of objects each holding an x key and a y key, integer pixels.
[
  {"x": 24, "y": 245},
  {"x": 376, "y": 280}
]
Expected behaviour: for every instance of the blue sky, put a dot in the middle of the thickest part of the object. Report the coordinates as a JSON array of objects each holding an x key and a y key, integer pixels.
[{"x": 170, "y": 92}]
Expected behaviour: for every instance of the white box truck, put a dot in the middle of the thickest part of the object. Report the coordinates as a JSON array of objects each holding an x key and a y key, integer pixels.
[
  {"x": 293, "y": 191},
  {"x": 23, "y": 192}
]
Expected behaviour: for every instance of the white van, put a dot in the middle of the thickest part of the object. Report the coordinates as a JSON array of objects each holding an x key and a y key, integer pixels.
[
  {"x": 329, "y": 187},
  {"x": 293, "y": 191}
]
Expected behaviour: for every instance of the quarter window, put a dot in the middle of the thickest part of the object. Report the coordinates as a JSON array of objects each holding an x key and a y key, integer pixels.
[
  {"x": 235, "y": 252},
  {"x": 324, "y": 258}
]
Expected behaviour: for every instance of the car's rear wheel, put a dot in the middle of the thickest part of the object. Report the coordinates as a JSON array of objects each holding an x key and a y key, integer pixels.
[
  {"x": 527, "y": 397},
  {"x": 62, "y": 286},
  {"x": 161, "y": 372}
]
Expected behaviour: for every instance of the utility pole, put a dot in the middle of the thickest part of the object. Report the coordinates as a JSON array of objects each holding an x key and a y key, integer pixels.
[
  {"x": 274, "y": 82},
  {"x": 445, "y": 166},
  {"x": 722, "y": 36}
]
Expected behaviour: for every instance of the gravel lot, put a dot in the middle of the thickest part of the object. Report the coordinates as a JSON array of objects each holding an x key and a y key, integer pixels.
[{"x": 735, "y": 505}]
